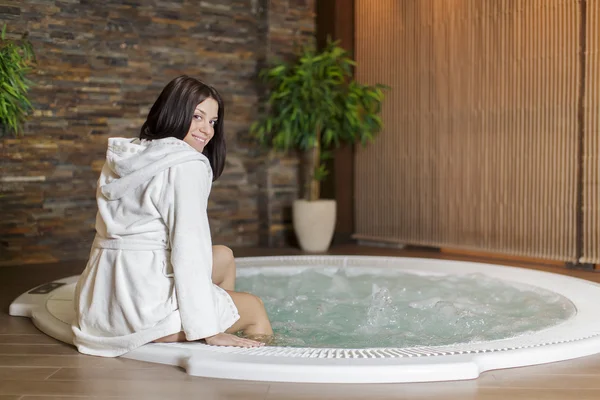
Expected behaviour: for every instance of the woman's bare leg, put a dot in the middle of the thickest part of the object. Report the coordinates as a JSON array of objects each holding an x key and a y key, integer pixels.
[
  {"x": 254, "y": 321},
  {"x": 223, "y": 272}
]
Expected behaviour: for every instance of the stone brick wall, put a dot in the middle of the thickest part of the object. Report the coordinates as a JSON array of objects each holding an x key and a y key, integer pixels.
[{"x": 101, "y": 64}]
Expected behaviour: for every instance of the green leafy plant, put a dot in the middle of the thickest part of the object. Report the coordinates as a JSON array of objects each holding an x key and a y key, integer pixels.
[
  {"x": 16, "y": 60},
  {"x": 314, "y": 105}
]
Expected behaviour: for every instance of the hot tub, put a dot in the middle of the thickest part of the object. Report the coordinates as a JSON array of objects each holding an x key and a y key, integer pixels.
[{"x": 577, "y": 334}]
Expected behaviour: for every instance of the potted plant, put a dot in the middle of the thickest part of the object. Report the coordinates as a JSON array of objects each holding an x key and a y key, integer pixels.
[
  {"x": 16, "y": 59},
  {"x": 314, "y": 106}
]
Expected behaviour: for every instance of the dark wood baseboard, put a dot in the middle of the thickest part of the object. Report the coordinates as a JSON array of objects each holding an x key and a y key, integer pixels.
[{"x": 501, "y": 256}]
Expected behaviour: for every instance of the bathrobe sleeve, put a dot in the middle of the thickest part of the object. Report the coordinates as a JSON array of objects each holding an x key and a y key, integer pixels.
[{"x": 184, "y": 203}]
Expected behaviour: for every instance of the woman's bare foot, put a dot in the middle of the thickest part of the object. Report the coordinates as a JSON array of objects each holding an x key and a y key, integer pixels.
[
  {"x": 227, "y": 339},
  {"x": 264, "y": 339},
  {"x": 220, "y": 339},
  {"x": 176, "y": 337}
]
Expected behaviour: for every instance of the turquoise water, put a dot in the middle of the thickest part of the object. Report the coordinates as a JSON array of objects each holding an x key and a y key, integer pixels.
[{"x": 343, "y": 308}]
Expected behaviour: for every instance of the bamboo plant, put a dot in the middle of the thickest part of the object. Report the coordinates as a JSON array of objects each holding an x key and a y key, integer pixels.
[
  {"x": 16, "y": 61},
  {"x": 314, "y": 106}
]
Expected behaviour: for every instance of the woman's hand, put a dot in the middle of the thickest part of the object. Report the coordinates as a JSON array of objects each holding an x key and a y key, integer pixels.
[{"x": 227, "y": 339}]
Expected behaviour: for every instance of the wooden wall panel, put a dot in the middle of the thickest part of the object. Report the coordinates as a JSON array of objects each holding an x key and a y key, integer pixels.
[
  {"x": 479, "y": 149},
  {"x": 591, "y": 137}
]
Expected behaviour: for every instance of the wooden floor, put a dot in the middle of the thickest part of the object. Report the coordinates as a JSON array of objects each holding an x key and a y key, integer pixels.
[{"x": 34, "y": 366}]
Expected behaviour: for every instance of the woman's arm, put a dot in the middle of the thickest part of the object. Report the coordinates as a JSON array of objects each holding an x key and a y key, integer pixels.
[{"x": 184, "y": 202}]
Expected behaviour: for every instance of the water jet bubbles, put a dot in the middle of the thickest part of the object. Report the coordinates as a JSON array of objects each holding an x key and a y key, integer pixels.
[
  {"x": 425, "y": 304},
  {"x": 289, "y": 303},
  {"x": 339, "y": 284}
]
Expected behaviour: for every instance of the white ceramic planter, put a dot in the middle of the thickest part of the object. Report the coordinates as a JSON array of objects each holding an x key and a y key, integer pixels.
[{"x": 314, "y": 224}]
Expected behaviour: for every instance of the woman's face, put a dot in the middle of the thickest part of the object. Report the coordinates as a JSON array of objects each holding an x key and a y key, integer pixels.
[{"x": 203, "y": 124}]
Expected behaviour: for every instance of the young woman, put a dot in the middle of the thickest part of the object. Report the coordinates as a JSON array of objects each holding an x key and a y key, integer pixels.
[{"x": 153, "y": 274}]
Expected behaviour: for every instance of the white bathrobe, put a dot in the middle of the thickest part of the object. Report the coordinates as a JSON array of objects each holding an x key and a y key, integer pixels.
[{"x": 149, "y": 271}]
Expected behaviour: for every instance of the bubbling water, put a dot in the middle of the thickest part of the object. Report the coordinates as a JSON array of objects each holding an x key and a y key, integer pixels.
[{"x": 363, "y": 308}]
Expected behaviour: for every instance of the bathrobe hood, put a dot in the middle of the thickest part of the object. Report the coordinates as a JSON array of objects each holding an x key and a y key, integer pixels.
[{"x": 134, "y": 161}]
